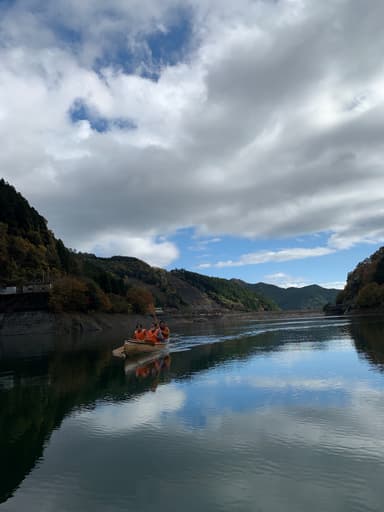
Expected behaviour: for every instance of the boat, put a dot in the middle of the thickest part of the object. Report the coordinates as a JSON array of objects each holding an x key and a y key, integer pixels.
[
  {"x": 119, "y": 352},
  {"x": 133, "y": 347},
  {"x": 136, "y": 346}
]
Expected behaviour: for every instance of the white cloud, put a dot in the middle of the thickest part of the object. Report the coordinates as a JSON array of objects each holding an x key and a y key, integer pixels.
[
  {"x": 284, "y": 280},
  {"x": 269, "y": 126},
  {"x": 155, "y": 253},
  {"x": 339, "y": 285},
  {"x": 256, "y": 258}
]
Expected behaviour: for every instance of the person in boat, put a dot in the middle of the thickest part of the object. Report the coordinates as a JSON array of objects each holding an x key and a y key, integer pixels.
[
  {"x": 140, "y": 334},
  {"x": 164, "y": 330},
  {"x": 154, "y": 334}
]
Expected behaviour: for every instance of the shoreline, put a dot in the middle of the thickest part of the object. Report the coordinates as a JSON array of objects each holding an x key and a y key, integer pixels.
[{"x": 44, "y": 322}]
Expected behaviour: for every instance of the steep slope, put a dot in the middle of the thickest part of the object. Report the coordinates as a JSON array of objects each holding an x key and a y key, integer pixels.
[
  {"x": 28, "y": 249},
  {"x": 227, "y": 293}
]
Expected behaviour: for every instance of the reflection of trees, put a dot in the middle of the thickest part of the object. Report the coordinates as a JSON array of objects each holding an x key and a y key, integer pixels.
[
  {"x": 37, "y": 397},
  {"x": 24, "y": 425},
  {"x": 35, "y": 404},
  {"x": 368, "y": 337}
]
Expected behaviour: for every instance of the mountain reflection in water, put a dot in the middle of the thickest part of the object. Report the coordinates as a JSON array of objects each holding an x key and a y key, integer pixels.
[{"x": 213, "y": 374}]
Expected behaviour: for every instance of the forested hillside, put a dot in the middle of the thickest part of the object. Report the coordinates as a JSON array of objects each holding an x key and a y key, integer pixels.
[
  {"x": 227, "y": 293},
  {"x": 28, "y": 249},
  {"x": 30, "y": 253},
  {"x": 306, "y": 297},
  {"x": 365, "y": 284}
]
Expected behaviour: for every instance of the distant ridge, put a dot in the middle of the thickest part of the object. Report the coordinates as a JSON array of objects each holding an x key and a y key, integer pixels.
[{"x": 310, "y": 297}]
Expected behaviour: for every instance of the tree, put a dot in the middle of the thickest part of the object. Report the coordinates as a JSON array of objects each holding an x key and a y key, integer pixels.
[
  {"x": 69, "y": 294},
  {"x": 370, "y": 296},
  {"x": 140, "y": 299},
  {"x": 97, "y": 299},
  {"x": 379, "y": 273}
]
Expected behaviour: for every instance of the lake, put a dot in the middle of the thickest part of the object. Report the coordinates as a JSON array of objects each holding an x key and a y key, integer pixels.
[{"x": 282, "y": 415}]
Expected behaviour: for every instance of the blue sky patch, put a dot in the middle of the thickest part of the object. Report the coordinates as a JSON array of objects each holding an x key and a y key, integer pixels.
[
  {"x": 162, "y": 47},
  {"x": 198, "y": 250},
  {"x": 4, "y": 4},
  {"x": 80, "y": 111},
  {"x": 169, "y": 47},
  {"x": 67, "y": 34}
]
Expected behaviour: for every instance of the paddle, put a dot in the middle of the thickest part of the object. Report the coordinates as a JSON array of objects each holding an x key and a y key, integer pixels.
[{"x": 152, "y": 312}]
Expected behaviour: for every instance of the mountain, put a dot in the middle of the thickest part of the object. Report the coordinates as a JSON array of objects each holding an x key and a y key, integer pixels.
[
  {"x": 30, "y": 255},
  {"x": 228, "y": 293},
  {"x": 307, "y": 297},
  {"x": 365, "y": 285}
]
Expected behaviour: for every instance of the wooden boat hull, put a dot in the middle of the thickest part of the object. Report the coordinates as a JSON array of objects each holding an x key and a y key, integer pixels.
[
  {"x": 119, "y": 352},
  {"x": 134, "y": 347}
]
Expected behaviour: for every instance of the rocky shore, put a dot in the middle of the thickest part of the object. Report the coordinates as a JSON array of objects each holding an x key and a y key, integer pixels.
[{"x": 44, "y": 322}]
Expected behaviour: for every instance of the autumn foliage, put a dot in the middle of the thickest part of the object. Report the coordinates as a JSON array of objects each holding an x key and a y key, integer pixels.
[{"x": 365, "y": 284}]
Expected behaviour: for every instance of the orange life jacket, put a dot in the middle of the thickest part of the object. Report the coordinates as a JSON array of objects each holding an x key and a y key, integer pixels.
[
  {"x": 140, "y": 334},
  {"x": 152, "y": 335}
]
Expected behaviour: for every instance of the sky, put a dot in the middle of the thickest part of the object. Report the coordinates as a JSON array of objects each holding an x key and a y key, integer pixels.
[{"x": 236, "y": 139}]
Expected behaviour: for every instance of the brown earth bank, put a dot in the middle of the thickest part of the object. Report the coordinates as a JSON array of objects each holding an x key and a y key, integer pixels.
[{"x": 44, "y": 322}]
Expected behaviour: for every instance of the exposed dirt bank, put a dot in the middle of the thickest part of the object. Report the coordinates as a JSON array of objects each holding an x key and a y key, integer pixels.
[{"x": 43, "y": 322}]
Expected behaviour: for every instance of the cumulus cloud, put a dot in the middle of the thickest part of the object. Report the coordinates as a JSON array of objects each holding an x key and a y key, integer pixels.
[
  {"x": 267, "y": 123},
  {"x": 156, "y": 253}
]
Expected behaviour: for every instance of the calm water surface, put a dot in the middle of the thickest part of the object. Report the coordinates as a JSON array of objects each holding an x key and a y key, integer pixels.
[{"x": 251, "y": 416}]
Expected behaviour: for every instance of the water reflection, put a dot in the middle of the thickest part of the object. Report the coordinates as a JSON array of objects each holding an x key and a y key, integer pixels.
[
  {"x": 150, "y": 368},
  {"x": 259, "y": 418},
  {"x": 368, "y": 336},
  {"x": 37, "y": 393}
]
